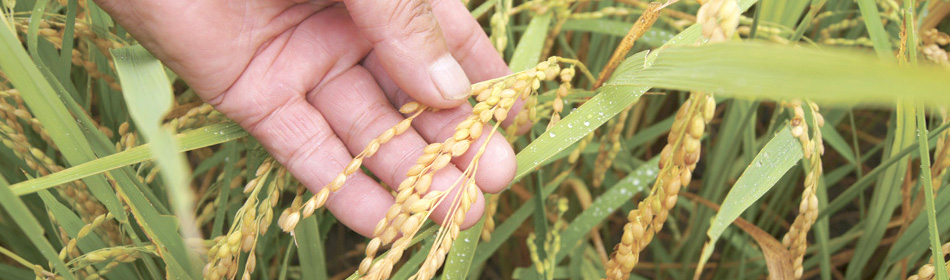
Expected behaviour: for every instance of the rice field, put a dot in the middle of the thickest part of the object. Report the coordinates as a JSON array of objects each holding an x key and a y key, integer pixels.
[{"x": 720, "y": 139}]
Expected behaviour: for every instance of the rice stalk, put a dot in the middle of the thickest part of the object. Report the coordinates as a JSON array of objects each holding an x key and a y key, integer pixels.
[
  {"x": 605, "y": 12},
  {"x": 934, "y": 42},
  {"x": 646, "y": 20},
  {"x": 927, "y": 271},
  {"x": 552, "y": 243},
  {"x": 605, "y": 157},
  {"x": 499, "y": 26},
  {"x": 588, "y": 32},
  {"x": 37, "y": 160},
  {"x": 719, "y": 19},
  {"x": 289, "y": 218},
  {"x": 562, "y": 12},
  {"x": 491, "y": 206},
  {"x": 195, "y": 117},
  {"x": 70, "y": 248},
  {"x": 585, "y": 198},
  {"x": 414, "y": 201},
  {"x": 677, "y": 161},
  {"x": 796, "y": 240},
  {"x": 114, "y": 256},
  {"x": 36, "y": 269},
  {"x": 563, "y": 90},
  {"x": 941, "y": 157},
  {"x": 251, "y": 221},
  {"x": 53, "y": 32}
]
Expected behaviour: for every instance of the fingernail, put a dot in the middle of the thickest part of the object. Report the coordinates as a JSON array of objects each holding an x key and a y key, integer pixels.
[{"x": 449, "y": 78}]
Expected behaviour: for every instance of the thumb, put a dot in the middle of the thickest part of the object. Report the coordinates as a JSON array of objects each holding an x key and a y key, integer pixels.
[{"x": 407, "y": 38}]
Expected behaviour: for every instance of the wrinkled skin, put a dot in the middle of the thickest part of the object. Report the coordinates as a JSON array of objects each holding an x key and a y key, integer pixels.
[{"x": 315, "y": 81}]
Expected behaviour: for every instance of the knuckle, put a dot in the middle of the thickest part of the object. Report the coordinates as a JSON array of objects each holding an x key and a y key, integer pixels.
[
  {"x": 408, "y": 158},
  {"x": 414, "y": 17},
  {"x": 451, "y": 121},
  {"x": 365, "y": 126},
  {"x": 467, "y": 45}
]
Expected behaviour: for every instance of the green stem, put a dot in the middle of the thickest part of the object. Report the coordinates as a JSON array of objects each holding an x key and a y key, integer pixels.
[{"x": 17, "y": 258}]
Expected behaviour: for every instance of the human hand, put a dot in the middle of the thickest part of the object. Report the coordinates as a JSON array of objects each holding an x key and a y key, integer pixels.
[{"x": 316, "y": 81}]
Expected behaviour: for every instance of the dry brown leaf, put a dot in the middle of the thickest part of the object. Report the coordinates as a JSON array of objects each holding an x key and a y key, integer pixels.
[{"x": 777, "y": 258}]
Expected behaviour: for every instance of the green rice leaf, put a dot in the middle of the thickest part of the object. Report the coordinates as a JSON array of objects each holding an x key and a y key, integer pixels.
[
  {"x": 15, "y": 272},
  {"x": 528, "y": 52},
  {"x": 582, "y": 121},
  {"x": 44, "y": 102},
  {"x": 654, "y": 37},
  {"x": 310, "y": 249},
  {"x": 929, "y": 208},
  {"x": 776, "y": 158},
  {"x": 915, "y": 239},
  {"x": 149, "y": 96},
  {"x": 71, "y": 223},
  {"x": 508, "y": 227},
  {"x": 413, "y": 263},
  {"x": 886, "y": 196},
  {"x": 187, "y": 141},
  {"x": 621, "y": 90},
  {"x": 858, "y": 187},
  {"x": 778, "y": 72},
  {"x": 25, "y": 220},
  {"x": 783, "y": 12},
  {"x": 879, "y": 36},
  {"x": 526, "y": 55},
  {"x": 459, "y": 259},
  {"x": 836, "y": 142},
  {"x": 638, "y": 181}
]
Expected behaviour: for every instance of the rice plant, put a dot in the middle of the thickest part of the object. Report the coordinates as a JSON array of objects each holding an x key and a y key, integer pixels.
[{"x": 677, "y": 140}]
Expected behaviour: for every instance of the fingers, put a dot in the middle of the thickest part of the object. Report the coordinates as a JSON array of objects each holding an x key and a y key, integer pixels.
[
  {"x": 279, "y": 70},
  {"x": 297, "y": 136},
  {"x": 470, "y": 45},
  {"x": 268, "y": 100},
  {"x": 207, "y": 43},
  {"x": 497, "y": 164},
  {"x": 468, "y": 42},
  {"x": 358, "y": 111},
  {"x": 409, "y": 42},
  {"x": 496, "y": 167}
]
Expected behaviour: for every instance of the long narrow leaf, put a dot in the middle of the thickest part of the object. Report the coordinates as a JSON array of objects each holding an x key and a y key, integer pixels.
[
  {"x": 776, "y": 158},
  {"x": 25, "y": 220},
  {"x": 929, "y": 207},
  {"x": 187, "y": 141},
  {"x": 886, "y": 196},
  {"x": 71, "y": 223},
  {"x": 310, "y": 249},
  {"x": 781, "y": 72},
  {"x": 149, "y": 96},
  {"x": 638, "y": 181}
]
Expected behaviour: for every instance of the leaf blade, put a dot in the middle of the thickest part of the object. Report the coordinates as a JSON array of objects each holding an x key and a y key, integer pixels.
[{"x": 776, "y": 158}]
